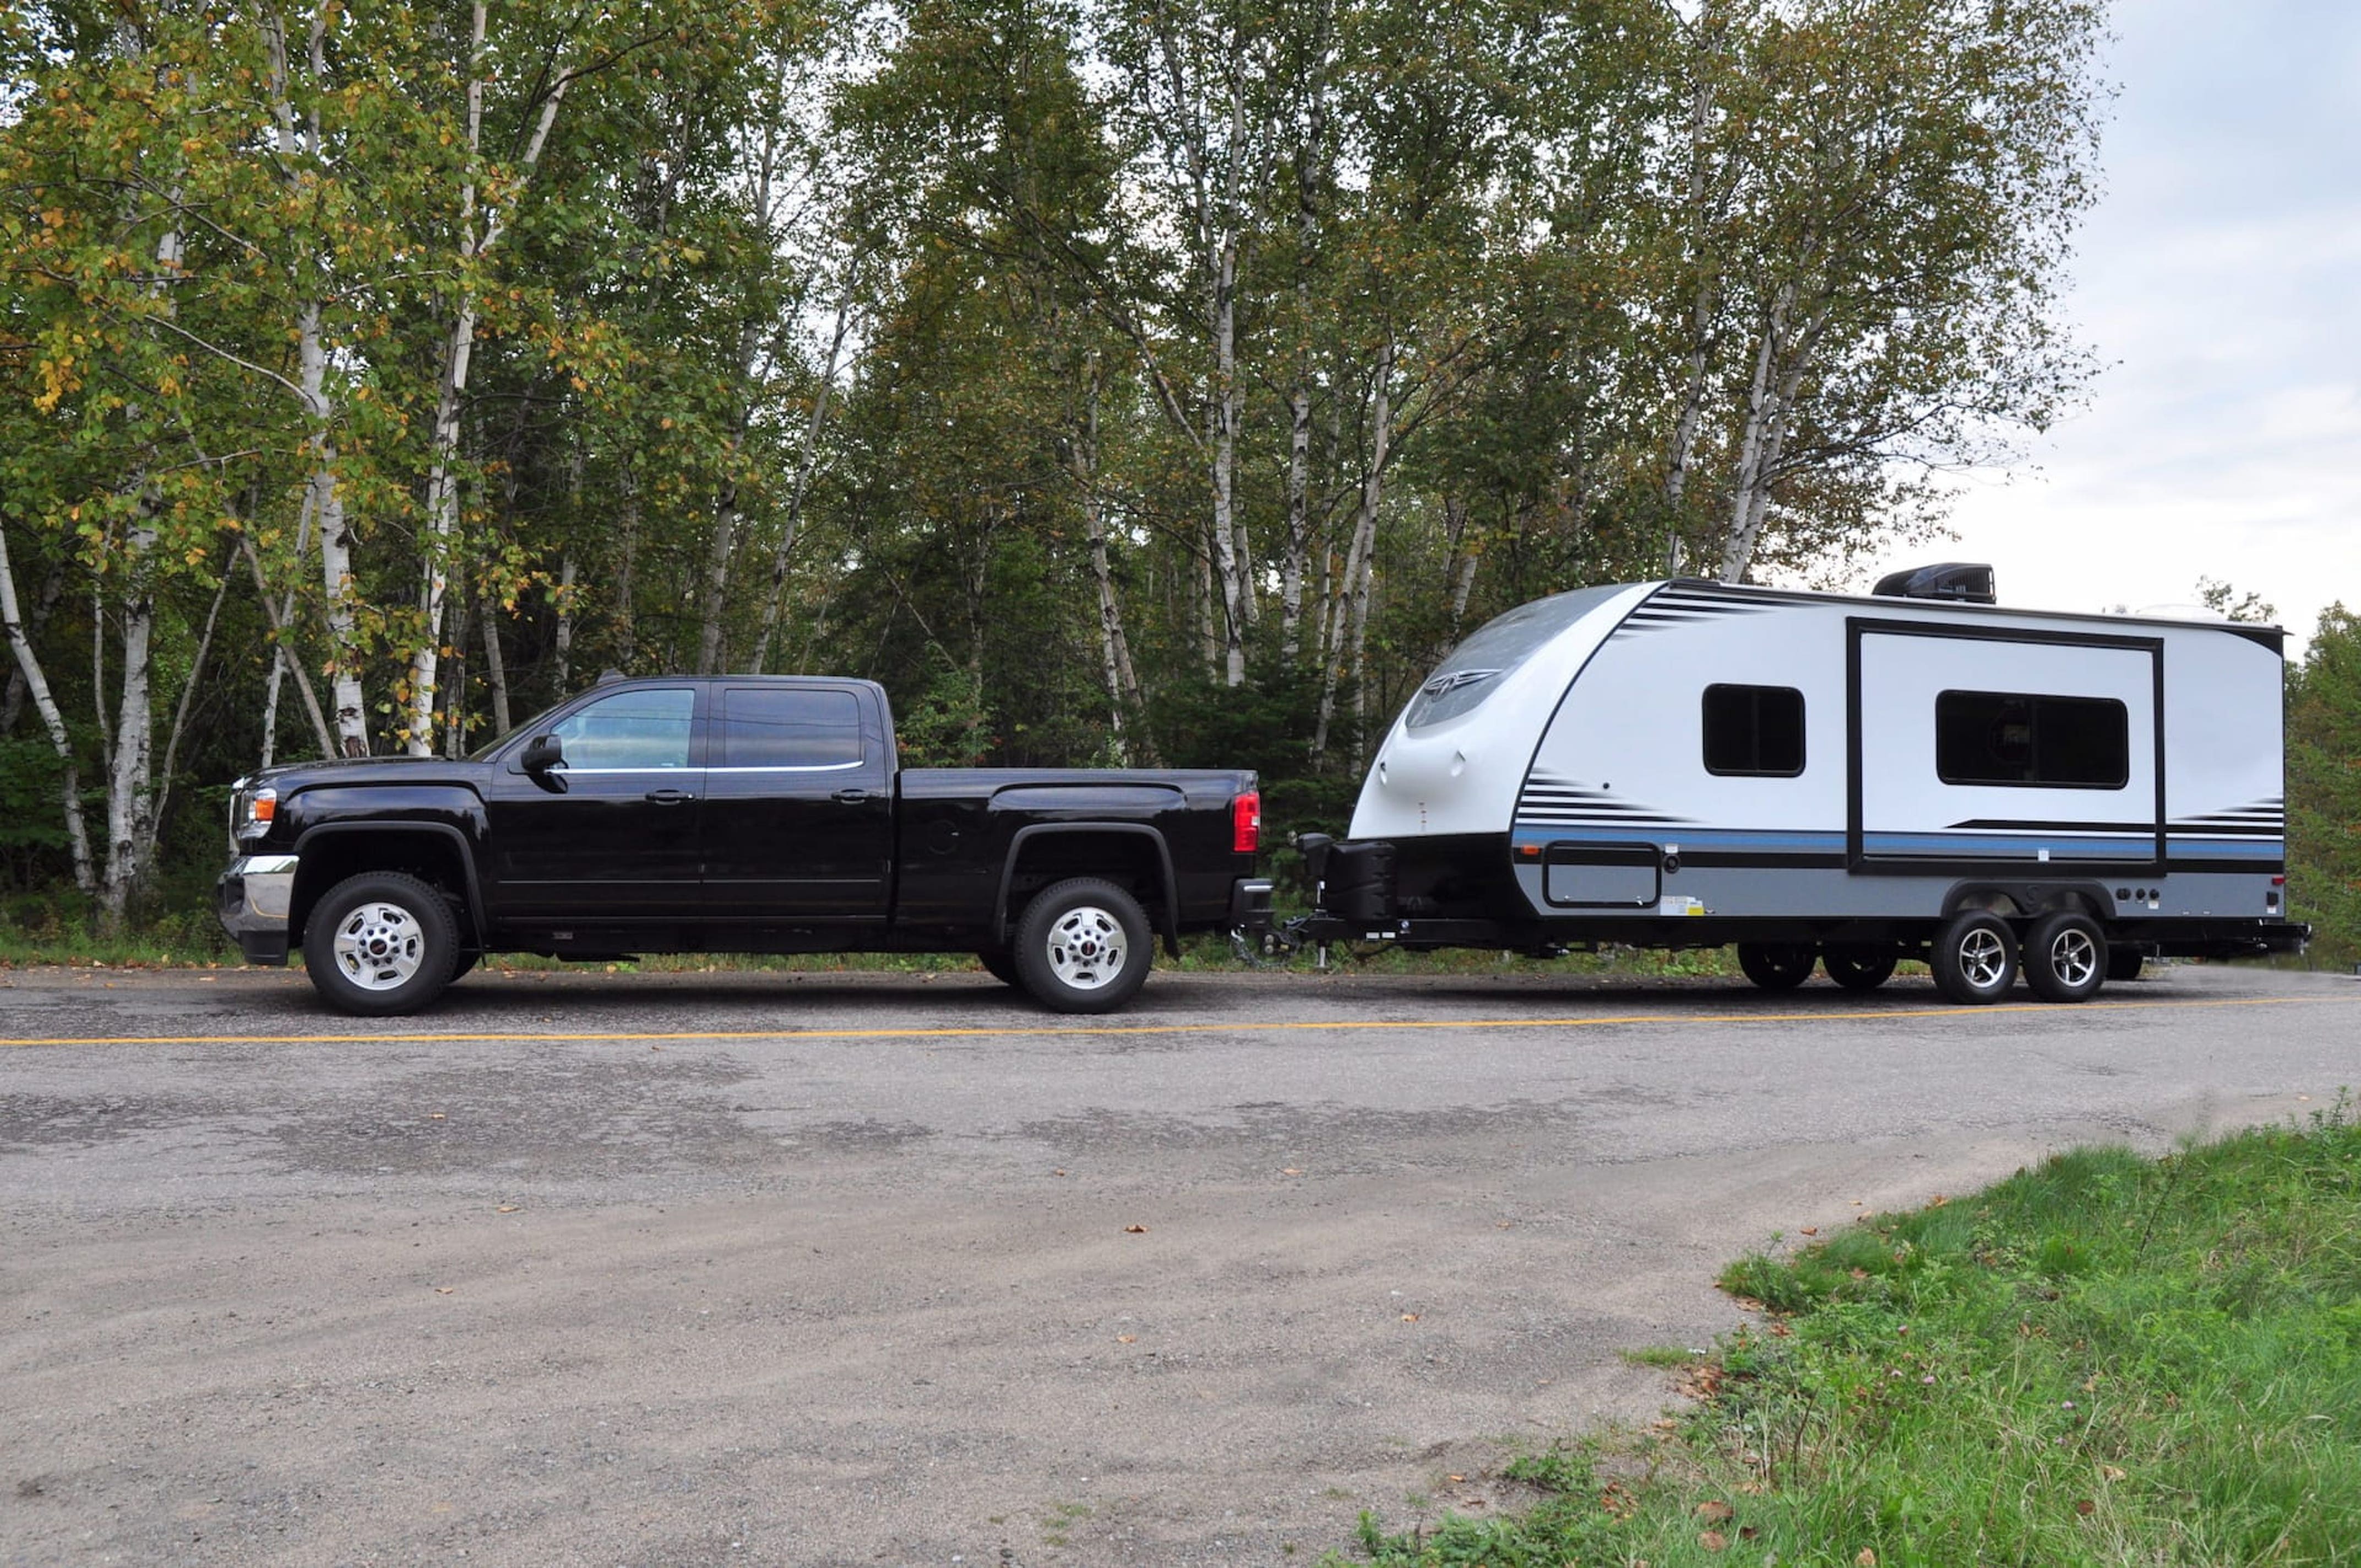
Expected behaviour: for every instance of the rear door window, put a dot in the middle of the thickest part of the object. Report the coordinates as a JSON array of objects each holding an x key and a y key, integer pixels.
[{"x": 790, "y": 728}]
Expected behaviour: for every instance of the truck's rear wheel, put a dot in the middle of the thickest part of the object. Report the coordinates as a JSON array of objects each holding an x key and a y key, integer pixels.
[
  {"x": 2066, "y": 957},
  {"x": 1776, "y": 966},
  {"x": 1082, "y": 947},
  {"x": 380, "y": 943},
  {"x": 1863, "y": 966},
  {"x": 1974, "y": 957}
]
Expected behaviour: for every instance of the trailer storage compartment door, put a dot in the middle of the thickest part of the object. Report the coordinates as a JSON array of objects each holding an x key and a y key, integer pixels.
[{"x": 1973, "y": 748}]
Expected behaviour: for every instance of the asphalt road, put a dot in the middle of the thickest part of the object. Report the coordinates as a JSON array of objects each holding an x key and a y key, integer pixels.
[{"x": 617, "y": 1269}]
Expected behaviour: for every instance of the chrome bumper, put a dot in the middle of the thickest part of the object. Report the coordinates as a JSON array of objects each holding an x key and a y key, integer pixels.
[{"x": 252, "y": 899}]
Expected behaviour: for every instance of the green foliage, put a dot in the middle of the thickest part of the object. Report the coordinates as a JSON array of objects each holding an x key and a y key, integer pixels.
[
  {"x": 2103, "y": 1359},
  {"x": 927, "y": 342},
  {"x": 2324, "y": 784}
]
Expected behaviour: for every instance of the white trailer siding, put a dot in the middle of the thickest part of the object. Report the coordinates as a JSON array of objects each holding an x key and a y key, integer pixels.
[{"x": 1586, "y": 764}]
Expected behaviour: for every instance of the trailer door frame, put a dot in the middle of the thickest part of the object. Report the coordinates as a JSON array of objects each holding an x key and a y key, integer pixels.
[{"x": 1857, "y": 857}]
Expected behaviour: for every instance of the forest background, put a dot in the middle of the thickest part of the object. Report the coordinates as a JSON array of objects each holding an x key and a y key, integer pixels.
[{"x": 1118, "y": 381}]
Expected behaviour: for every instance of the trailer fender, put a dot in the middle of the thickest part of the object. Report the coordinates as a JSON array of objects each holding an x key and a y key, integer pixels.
[{"x": 2019, "y": 900}]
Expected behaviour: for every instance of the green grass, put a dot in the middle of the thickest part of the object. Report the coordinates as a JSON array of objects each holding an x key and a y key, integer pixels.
[
  {"x": 197, "y": 942},
  {"x": 2106, "y": 1360}
]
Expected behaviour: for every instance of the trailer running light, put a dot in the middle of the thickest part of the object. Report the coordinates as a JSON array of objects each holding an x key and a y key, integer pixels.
[
  {"x": 2278, "y": 881},
  {"x": 1246, "y": 823}
]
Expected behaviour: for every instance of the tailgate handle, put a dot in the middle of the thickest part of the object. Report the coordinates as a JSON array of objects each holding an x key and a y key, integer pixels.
[
  {"x": 851, "y": 798},
  {"x": 669, "y": 797}
]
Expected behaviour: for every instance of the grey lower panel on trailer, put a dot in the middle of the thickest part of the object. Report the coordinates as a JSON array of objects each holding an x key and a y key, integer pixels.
[{"x": 1779, "y": 892}]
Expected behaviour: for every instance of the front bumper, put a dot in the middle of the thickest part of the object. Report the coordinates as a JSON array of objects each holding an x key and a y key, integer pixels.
[{"x": 252, "y": 898}]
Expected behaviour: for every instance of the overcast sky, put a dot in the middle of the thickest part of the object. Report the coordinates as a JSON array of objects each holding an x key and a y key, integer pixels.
[{"x": 2219, "y": 281}]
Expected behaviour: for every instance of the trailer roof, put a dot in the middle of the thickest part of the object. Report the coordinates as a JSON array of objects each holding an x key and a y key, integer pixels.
[{"x": 2268, "y": 636}]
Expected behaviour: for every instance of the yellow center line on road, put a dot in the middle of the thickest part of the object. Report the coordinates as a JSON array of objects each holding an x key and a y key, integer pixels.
[{"x": 1207, "y": 1027}]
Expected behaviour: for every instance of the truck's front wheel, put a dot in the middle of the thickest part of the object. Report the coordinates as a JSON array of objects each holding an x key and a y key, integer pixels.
[
  {"x": 380, "y": 943},
  {"x": 1082, "y": 946}
]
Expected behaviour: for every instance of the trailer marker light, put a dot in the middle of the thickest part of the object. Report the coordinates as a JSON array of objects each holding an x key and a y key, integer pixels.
[{"x": 2278, "y": 881}]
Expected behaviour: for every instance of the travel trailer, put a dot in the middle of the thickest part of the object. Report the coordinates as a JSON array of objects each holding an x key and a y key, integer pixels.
[{"x": 1826, "y": 779}]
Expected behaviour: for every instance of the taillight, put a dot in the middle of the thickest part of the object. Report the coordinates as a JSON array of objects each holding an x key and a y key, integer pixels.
[{"x": 1246, "y": 823}]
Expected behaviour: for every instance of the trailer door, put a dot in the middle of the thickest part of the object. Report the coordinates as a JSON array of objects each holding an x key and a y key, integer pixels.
[{"x": 1987, "y": 748}]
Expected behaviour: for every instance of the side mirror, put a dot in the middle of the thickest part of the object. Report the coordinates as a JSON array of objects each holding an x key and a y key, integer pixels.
[{"x": 541, "y": 753}]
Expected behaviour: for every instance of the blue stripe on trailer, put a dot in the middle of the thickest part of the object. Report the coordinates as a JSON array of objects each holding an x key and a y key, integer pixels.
[{"x": 1542, "y": 834}]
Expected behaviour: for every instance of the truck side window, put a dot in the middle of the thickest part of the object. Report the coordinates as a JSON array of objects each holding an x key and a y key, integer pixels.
[
  {"x": 789, "y": 726},
  {"x": 630, "y": 730},
  {"x": 2030, "y": 741},
  {"x": 1754, "y": 731}
]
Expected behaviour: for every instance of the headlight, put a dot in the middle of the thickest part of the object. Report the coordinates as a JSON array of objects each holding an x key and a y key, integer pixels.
[{"x": 256, "y": 813}]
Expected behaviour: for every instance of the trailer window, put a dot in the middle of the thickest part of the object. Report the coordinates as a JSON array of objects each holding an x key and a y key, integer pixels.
[
  {"x": 2028, "y": 741},
  {"x": 789, "y": 726},
  {"x": 1476, "y": 668},
  {"x": 1754, "y": 731}
]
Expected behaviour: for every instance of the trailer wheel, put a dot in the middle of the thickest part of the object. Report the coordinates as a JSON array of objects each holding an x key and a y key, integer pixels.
[
  {"x": 380, "y": 944},
  {"x": 1776, "y": 966},
  {"x": 1001, "y": 965},
  {"x": 2066, "y": 957},
  {"x": 2124, "y": 961},
  {"x": 1974, "y": 959},
  {"x": 1082, "y": 947},
  {"x": 1863, "y": 966}
]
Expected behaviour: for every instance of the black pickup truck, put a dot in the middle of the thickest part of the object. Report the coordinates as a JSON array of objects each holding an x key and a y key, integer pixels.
[{"x": 729, "y": 814}]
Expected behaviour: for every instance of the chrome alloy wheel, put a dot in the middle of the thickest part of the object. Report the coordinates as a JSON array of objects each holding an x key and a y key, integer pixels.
[
  {"x": 1984, "y": 958},
  {"x": 1085, "y": 948},
  {"x": 379, "y": 945},
  {"x": 2074, "y": 957}
]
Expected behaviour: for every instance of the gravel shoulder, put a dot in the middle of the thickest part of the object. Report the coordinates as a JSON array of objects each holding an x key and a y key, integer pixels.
[{"x": 858, "y": 1268}]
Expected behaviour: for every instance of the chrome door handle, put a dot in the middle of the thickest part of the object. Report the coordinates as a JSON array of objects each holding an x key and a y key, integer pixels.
[{"x": 850, "y": 796}]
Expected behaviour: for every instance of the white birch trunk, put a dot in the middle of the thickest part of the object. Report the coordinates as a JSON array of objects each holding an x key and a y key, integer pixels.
[
  {"x": 1222, "y": 414},
  {"x": 280, "y": 638},
  {"x": 1298, "y": 516},
  {"x": 1738, "y": 543},
  {"x": 564, "y": 645},
  {"x": 180, "y": 709},
  {"x": 13, "y": 706},
  {"x": 442, "y": 473},
  {"x": 1702, "y": 313},
  {"x": 1347, "y": 641},
  {"x": 129, "y": 784},
  {"x": 36, "y": 687}
]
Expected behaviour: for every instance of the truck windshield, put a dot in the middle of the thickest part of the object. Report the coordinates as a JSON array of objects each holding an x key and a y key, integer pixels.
[{"x": 1474, "y": 668}]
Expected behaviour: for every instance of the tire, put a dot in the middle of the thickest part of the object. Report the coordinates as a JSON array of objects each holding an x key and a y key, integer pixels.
[
  {"x": 380, "y": 943},
  {"x": 1776, "y": 966},
  {"x": 1001, "y": 966},
  {"x": 1974, "y": 959},
  {"x": 1082, "y": 947},
  {"x": 2125, "y": 962},
  {"x": 1863, "y": 966},
  {"x": 2066, "y": 957}
]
